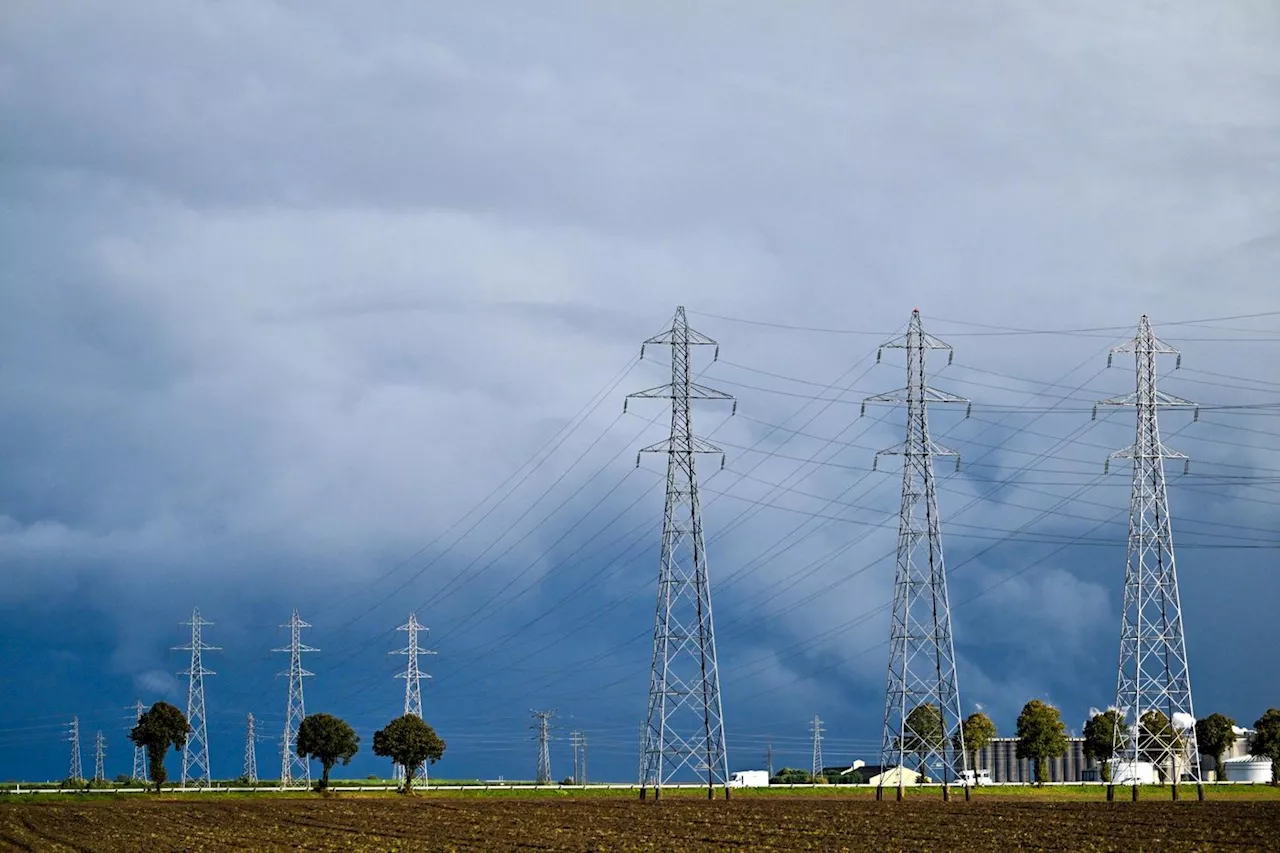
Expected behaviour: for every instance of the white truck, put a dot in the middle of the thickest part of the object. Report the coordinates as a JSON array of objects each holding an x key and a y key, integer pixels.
[
  {"x": 983, "y": 777},
  {"x": 749, "y": 779}
]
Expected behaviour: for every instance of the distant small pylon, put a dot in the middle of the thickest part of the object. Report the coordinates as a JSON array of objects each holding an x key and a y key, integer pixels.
[
  {"x": 139, "y": 754},
  {"x": 250, "y": 753},
  {"x": 99, "y": 758},
  {"x": 74, "y": 771},
  {"x": 816, "y": 726},
  {"x": 543, "y": 727}
]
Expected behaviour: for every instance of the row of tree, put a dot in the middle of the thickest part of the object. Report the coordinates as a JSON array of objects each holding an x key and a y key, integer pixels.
[
  {"x": 1042, "y": 736},
  {"x": 407, "y": 740}
]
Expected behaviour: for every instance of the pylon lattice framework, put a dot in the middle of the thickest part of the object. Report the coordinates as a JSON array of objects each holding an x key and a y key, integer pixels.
[
  {"x": 75, "y": 772},
  {"x": 99, "y": 758},
  {"x": 139, "y": 754},
  {"x": 922, "y": 698},
  {"x": 684, "y": 728},
  {"x": 1153, "y": 677},
  {"x": 250, "y": 752},
  {"x": 294, "y": 768},
  {"x": 195, "y": 755},
  {"x": 542, "y": 725},
  {"x": 816, "y": 727},
  {"x": 413, "y": 676}
]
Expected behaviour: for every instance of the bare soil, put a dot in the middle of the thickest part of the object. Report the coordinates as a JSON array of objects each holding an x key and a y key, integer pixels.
[{"x": 358, "y": 823}]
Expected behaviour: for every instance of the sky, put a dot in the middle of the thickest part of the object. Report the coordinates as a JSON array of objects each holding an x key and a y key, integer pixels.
[{"x": 334, "y": 307}]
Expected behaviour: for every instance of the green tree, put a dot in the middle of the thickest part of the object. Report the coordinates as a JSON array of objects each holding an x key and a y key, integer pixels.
[
  {"x": 1041, "y": 736},
  {"x": 328, "y": 739},
  {"x": 978, "y": 730},
  {"x": 408, "y": 741},
  {"x": 1157, "y": 738},
  {"x": 1216, "y": 734},
  {"x": 158, "y": 728},
  {"x": 923, "y": 734},
  {"x": 1265, "y": 742},
  {"x": 792, "y": 776},
  {"x": 1104, "y": 735}
]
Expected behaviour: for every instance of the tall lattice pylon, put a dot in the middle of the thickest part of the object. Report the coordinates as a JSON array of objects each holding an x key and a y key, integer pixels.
[
  {"x": 294, "y": 768},
  {"x": 413, "y": 676},
  {"x": 195, "y": 756},
  {"x": 74, "y": 770},
  {"x": 139, "y": 754},
  {"x": 816, "y": 728},
  {"x": 922, "y": 699},
  {"x": 99, "y": 758},
  {"x": 684, "y": 729},
  {"x": 542, "y": 725},
  {"x": 250, "y": 772},
  {"x": 1153, "y": 687}
]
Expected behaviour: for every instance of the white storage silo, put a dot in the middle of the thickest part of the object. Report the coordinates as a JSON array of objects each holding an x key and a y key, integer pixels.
[{"x": 1246, "y": 768}]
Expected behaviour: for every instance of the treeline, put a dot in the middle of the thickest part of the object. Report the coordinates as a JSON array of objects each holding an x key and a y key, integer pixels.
[{"x": 408, "y": 741}]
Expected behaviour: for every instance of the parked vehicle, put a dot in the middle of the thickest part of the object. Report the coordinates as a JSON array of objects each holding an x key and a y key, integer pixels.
[{"x": 749, "y": 779}]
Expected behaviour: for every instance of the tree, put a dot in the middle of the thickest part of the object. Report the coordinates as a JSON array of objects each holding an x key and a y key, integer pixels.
[
  {"x": 408, "y": 741},
  {"x": 1265, "y": 742},
  {"x": 328, "y": 739},
  {"x": 1041, "y": 736},
  {"x": 1157, "y": 738},
  {"x": 158, "y": 728},
  {"x": 1104, "y": 735},
  {"x": 792, "y": 776},
  {"x": 1216, "y": 734},
  {"x": 923, "y": 733},
  {"x": 978, "y": 730}
]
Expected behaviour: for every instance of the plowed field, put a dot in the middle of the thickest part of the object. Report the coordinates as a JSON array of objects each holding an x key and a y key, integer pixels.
[{"x": 599, "y": 824}]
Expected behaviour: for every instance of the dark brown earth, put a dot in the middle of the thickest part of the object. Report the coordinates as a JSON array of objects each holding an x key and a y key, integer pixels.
[{"x": 599, "y": 824}]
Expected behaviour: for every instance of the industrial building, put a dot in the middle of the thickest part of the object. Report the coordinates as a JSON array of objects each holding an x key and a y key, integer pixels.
[{"x": 1000, "y": 757}]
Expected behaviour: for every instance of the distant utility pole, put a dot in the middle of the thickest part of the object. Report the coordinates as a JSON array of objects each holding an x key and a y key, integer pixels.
[
  {"x": 99, "y": 758},
  {"x": 250, "y": 752},
  {"x": 195, "y": 755},
  {"x": 816, "y": 727},
  {"x": 573, "y": 738},
  {"x": 543, "y": 727},
  {"x": 294, "y": 768},
  {"x": 74, "y": 772},
  {"x": 768, "y": 759},
  {"x": 412, "y": 676},
  {"x": 579, "y": 740},
  {"x": 139, "y": 754},
  {"x": 1154, "y": 680},
  {"x": 922, "y": 663},
  {"x": 685, "y": 726}
]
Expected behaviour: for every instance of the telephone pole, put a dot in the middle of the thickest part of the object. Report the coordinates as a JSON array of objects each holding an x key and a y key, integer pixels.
[
  {"x": 195, "y": 755},
  {"x": 412, "y": 676},
  {"x": 573, "y": 738},
  {"x": 74, "y": 772},
  {"x": 139, "y": 754},
  {"x": 922, "y": 670},
  {"x": 99, "y": 758},
  {"x": 250, "y": 753},
  {"x": 1153, "y": 685},
  {"x": 543, "y": 727},
  {"x": 816, "y": 727},
  {"x": 294, "y": 768},
  {"x": 684, "y": 730},
  {"x": 768, "y": 759}
]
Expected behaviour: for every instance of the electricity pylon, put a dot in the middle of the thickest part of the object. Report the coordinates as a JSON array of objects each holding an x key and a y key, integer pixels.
[
  {"x": 99, "y": 758},
  {"x": 250, "y": 752},
  {"x": 1153, "y": 687},
  {"x": 195, "y": 755},
  {"x": 816, "y": 727},
  {"x": 684, "y": 730},
  {"x": 139, "y": 754},
  {"x": 413, "y": 676},
  {"x": 543, "y": 727},
  {"x": 74, "y": 771},
  {"x": 922, "y": 699},
  {"x": 294, "y": 768},
  {"x": 573, "y": 739}
]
